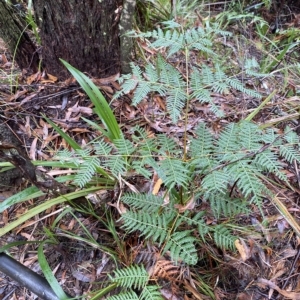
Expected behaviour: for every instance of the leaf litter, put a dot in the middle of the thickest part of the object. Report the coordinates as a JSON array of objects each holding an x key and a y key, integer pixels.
[{"x": 265, "y": 265}]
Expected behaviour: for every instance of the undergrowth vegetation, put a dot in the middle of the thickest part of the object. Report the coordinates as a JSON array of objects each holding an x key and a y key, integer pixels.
[{"x": 228, "y": 169}]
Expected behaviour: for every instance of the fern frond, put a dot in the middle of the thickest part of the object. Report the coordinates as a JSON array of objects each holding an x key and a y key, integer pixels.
[
  {"x": 202, "y": 147},
  {"x": 152, "y": 226},
  {"x": 249, "y": 136},
  {"x": 151, "y": 292},
  {"x": 67, "y": 156},
  {"x": 147, "y": 202},
  {"x": 223, "y": 237},
  {"x": 116, "y": 165},
  {"x": 129, "y": 82},
  {"x": 176, "y": 99},
  {"x": 271, "y": 137},
  {"x": 145, "y": 147},
  {"x": 216, "y": 181},
  {"x": 227, "y": 142},
  {"x": 174, "y": 172},
  {"x": 268, "y": 161},
  {"x": 130, "y": 295},
  {"x": 171, "y": 39},
  {"x": 220, "y": 85},
  {"x": 291, "y": 136},
  {"x": 247, "y": 181},
  {"x": 225, "y": 206},
  {"x": 167, "y": 146},
  {"x": 199, "y": 39},
  {"x": 181, "y": 246},
  {"x": 140, "y": 167},
  {"x": 86, "y": 170},
  {"x": 102, "y": 148},
  {"x": 252, "y": 68},
  {"x": 289, "y": 153},
  {"x": 198, "y": 221},
  {"x": 145, "y": 144},
  {"x": 175, "y": 85},
  {"x": 131, "y": 277},
  {"x": 124, "y": 146},
  {"x": 239, "y": 86}
]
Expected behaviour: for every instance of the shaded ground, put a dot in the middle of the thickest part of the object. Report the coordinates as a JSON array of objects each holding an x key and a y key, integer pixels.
[{"x": 271, "y": 253}]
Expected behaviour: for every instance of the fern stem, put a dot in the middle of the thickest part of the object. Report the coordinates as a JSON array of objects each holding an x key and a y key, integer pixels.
[{"x": 187, "y": 104}]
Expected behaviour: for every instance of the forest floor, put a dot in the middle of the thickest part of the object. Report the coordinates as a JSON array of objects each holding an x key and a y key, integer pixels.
[{"x": 266, "y": 267}]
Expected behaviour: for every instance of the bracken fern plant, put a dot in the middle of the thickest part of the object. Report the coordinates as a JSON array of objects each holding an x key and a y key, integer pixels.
[
  {"x": 228, "y": 170},
  {"x": 240, "y": 159},
  {"x": 163, "y": 78}
]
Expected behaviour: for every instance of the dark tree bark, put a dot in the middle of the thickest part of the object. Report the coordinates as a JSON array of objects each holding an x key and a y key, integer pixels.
[
  {"x": 84, "y": 33},
  {"x": 125, "y": 41},
  {"x": 12, "y": 31}
]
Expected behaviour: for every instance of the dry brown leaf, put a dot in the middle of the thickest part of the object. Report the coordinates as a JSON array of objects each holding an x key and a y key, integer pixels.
[
  {"x": 106, "y": 80},
  {"x": 160, "y": 102},
  {"x": 4, "y": 216},
  {"x": 81, "y": 109},
  {"x": 3, "y": 58},
  {"x": 16, "y": 96},
  {"x": 243, "y": 249},
  {"x": 119, "y": 206},
  {"x": 48, "y": 78},
  {"x": 32, "y": 151},
  {"x": 165, "y": 269},
  {"x": 106, "y": 89},
  {"x": 188, "y": 206},
  {"x": 27, "y": 99},
  {"x": 33, "y": 78},
  {"x": 71, "y": 224},
  {"x": 270, "y": 284},
  {"x": 157, "y": 186},
  {"x": 195, "y": 293}
]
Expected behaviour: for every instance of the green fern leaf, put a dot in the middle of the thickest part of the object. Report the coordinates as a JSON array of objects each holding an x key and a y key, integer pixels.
[
  {"x": 227, "y": 143},
  {"x": 216, "y": 181},
  {"x": 117, "y": 165},
  {"x": 181, "y": 246},
  {"x": 124, "y": 146},
  {"x": 102, "y": 148},
  {"x": 147, "y": 202},
  {"x": 198, "y": 221},
  {"x": 173, "y": 172},
  {"x": 225, "y": 206},
  {"x": 168, "y": 147},
  {"x": 250, "y": 136},
  {"x": 268, "y": 161},
  {"x": 171, "y": 39},
  {"x": 237, "y": 85},
  {"x": 252, "y": 68},
  {"x": 247, "y": 181},
  {"x": 151, "y": 292},
  {"x": 198, "y": 38},
  {"x": 140, "y": 167},
  {"x": 201, "y": 148},
  {"x": 223, "y": 237},
  {"x": 135, "y": 277},
  {"x": 152, "y": 226},
  {"x": 175, "y": 87},
  {"x": 289, "y": 153},
  {"x": 86, "y": 170},
  {"x": 291, "y": 136},
  {"x": 130, "y": 295}
]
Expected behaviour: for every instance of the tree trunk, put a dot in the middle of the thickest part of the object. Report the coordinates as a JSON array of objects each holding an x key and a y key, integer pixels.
[
  {"x": 126, "y": 42},
  {"x": 84, "y": 33},
  {"x": 12, "y": 31}
]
